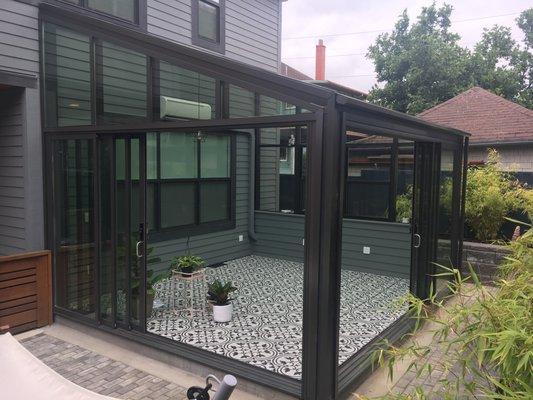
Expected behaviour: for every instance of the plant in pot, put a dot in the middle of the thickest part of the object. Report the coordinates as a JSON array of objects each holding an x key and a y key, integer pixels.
[
  {"x": 186, "y": 265},
  {"x": 218, "y": 294}
]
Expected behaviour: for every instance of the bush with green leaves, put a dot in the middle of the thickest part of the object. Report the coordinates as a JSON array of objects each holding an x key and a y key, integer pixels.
[
  {"x": 491, "y": 194},
  {"x": 186, "y": 264},
  {"x": 218, "y": 292},
  {"x": 486, "y": 333}
]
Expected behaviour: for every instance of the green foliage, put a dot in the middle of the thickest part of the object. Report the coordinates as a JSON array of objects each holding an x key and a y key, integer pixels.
[
  {"x": 218, "y": 292},
  {"x": 404, "y": 205},
  {"x": 187, "y": 264},
  {"x": 490, "y": 195},
  {"x": 422, "y": 64},
  {"x": 486, "y": 334}
]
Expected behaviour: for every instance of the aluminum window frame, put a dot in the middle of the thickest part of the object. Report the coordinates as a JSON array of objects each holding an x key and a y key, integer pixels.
[{"x": 219, "y": 45}]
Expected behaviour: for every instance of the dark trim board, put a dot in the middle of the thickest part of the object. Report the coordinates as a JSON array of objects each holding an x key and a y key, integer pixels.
[{"x": 17, "y": 79}]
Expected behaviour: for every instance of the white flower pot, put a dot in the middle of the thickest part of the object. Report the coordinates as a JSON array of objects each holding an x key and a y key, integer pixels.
[{"x": 222, "y": 313}]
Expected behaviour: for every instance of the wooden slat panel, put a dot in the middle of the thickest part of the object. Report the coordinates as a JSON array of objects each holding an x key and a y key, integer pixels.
[{"x": 25, "y": 291}]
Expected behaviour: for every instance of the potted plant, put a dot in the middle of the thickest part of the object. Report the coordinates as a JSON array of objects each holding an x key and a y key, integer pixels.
[
  {"x": 186, "y": 265},
  {"x": 218, "y": 295}
]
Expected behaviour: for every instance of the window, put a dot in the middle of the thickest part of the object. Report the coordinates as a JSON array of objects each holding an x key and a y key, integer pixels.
[
  {"x": 189, "y": 182},
  {"x": 67, "y": 73},
  {"x": 127, "y": 10},
  {"x": 122, "y": 84},
  {"x": 208, "y": 22}
]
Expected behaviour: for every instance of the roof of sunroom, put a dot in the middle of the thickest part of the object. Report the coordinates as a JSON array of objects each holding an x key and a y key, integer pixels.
[{"x": 236, "y": 72}]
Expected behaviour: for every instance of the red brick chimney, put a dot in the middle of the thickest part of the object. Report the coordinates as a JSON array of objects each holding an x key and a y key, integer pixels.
[{"x": 320, "y": 63}]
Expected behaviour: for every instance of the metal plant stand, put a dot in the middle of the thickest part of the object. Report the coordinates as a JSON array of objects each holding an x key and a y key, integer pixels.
[{"x": 193, "y": 282}]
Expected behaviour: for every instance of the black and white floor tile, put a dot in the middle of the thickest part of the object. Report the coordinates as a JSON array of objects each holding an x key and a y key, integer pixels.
[{"x": 266, "y": 329}]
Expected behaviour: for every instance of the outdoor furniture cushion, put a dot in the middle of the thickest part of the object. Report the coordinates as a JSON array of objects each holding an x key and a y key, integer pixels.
[{"x": 23, "y": 377}]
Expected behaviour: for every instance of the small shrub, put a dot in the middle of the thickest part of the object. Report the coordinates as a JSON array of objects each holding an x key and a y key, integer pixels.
[
  {"x": 491, "y": 194},
  {"x": 218, "y": 292}
]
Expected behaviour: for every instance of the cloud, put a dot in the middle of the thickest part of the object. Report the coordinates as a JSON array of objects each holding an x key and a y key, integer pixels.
[{"x": 331, "y": 17}]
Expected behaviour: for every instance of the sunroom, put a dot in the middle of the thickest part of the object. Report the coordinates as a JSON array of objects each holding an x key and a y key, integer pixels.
[{"x": 322, "y": 210}]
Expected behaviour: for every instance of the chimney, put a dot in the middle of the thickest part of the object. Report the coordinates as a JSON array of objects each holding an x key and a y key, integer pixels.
[{"x": 320, "y": 63}]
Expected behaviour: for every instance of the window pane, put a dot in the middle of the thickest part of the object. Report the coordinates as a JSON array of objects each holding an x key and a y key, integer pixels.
[
  {"x": 241, "y": 102},
  {"x": 151, "y": 156},
  {"x": 67, "y": 77},
  {"x": 124, "y": 9},
  {"x": 178, "y": 155},
  {"x": 122, "y": 74},
  {"x": 185, "y": 94},
  {"x": 208, "y": 21},
  {"x": 215, "y": 156},
  {"x": 214, "y": 201},
  {"x": 177, "y": 204},
  {"x": 270, "y": 106}
]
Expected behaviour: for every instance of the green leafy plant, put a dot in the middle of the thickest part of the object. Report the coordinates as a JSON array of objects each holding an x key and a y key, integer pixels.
[
  {"x": 485, "y": 333},
  {"x": 404, "y": 205},
  {"x": 218, "y": 292},
  {"x": 187, "y": 264},
  {"x": 491, "y": 194}
]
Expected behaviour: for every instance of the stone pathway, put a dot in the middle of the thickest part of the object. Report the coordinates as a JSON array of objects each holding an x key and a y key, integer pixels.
[{"x": 99, "y": 373}]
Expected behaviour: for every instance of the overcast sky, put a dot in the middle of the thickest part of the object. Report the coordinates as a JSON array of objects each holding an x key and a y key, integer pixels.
[{"x": 316, "y": 19}]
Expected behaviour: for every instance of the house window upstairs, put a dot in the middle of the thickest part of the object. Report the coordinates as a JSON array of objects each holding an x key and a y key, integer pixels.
[{"x": 208, "y": 21}]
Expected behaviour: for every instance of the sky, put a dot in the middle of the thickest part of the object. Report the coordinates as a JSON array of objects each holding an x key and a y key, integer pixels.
[{"x": 306, "y": 21}]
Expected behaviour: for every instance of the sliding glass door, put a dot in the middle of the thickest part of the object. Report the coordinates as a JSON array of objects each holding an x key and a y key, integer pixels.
[{"x": 99, "y": 228}]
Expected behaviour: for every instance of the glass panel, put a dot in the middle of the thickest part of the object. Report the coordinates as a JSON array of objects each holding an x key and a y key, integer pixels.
[
  {"x": 241, "y": 102},
  {"x": 178, "y": 155},
  {"x": 122, "y": 75},
  {"x": 368, "y": 181},
  {"x": 404, "y": 188},
  {"x": 67, "y": 77},
  {"x": 177, "y": 204},
  {"x": 151, "y": 156},
  {"x": 444, "y": 247},
  {"x": 208, "y": 21},
  {"x": 269, "y": 106},
  {"x": 123, "y": 254},
  {"x": 185, "y": 94},
  {"x": 214, "y": 201},
  {"x": 135, "y": 220},
  {"x": 74, "y": 235},
  {"x": 124, "y": 9},
  {"x": 215, "y": 156},
  {"x": 106, "y": 240}
]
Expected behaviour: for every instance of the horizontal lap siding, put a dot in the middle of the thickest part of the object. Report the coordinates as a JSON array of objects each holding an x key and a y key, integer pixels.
[
  {"x": 281, "y": 235},
  {"x": 252, "y": 28},
  {"x": 19, "y": 37},
  {"x": 12, "y": 213},
  {"x": 218, "y": 246}
]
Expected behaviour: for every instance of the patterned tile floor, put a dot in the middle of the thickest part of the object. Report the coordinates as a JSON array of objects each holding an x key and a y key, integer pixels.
[{"x": 266, "y": 329}]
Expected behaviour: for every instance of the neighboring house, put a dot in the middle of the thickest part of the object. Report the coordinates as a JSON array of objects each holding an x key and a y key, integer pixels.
[
  {"x": 494, "y": 123},
  {"x": 320, "y": 75}
]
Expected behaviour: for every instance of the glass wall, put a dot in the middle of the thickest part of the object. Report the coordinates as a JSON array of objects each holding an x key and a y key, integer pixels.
[
  {"x": 74, "y": 256},
  {"x": 67, "y": 77}
]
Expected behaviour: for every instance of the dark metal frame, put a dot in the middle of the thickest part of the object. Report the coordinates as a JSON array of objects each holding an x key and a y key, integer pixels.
[
  {"x": 218, "y": 45},
  {"x": 330, "y": 115}
]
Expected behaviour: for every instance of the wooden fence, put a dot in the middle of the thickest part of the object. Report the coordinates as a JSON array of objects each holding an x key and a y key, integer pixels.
[{"x": 26, "y": 291}]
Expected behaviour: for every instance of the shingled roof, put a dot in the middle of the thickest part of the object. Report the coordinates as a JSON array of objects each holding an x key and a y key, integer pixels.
[{"x": 487, "y": 117}]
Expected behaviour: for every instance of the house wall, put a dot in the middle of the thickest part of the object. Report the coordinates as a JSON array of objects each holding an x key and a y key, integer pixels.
[
  {"x": 218, "y": 246},
  {"x": 514, "y": 158},
  {"x": 281, "y": 235},
  {"x": 21, "y": 191},
  {"x": 253, "y": 28}
]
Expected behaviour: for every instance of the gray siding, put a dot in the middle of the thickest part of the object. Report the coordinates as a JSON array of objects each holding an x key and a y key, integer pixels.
[
  {"x": 281, "y": 235},
  {"x": 19, "y": 37},
  {"x": 12, "y": 214},
  {"x": 219, "y": 246},
  {"x": 253, "y": 28}
]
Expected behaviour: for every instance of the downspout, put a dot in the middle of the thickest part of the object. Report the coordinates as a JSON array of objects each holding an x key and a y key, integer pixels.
[{"x": 251, "y": 191}]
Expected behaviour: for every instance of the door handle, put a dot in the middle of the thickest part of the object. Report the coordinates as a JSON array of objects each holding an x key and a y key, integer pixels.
[
  {"x": 418, "y": 238},
  {"x": 138, "y": 249}
]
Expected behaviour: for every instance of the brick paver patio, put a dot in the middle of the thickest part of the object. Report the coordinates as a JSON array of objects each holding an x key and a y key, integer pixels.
[{"x": 99, "y": 373}]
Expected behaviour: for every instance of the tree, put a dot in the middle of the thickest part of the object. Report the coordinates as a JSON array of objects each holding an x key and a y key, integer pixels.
[{"x": 422, "y": 64}]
